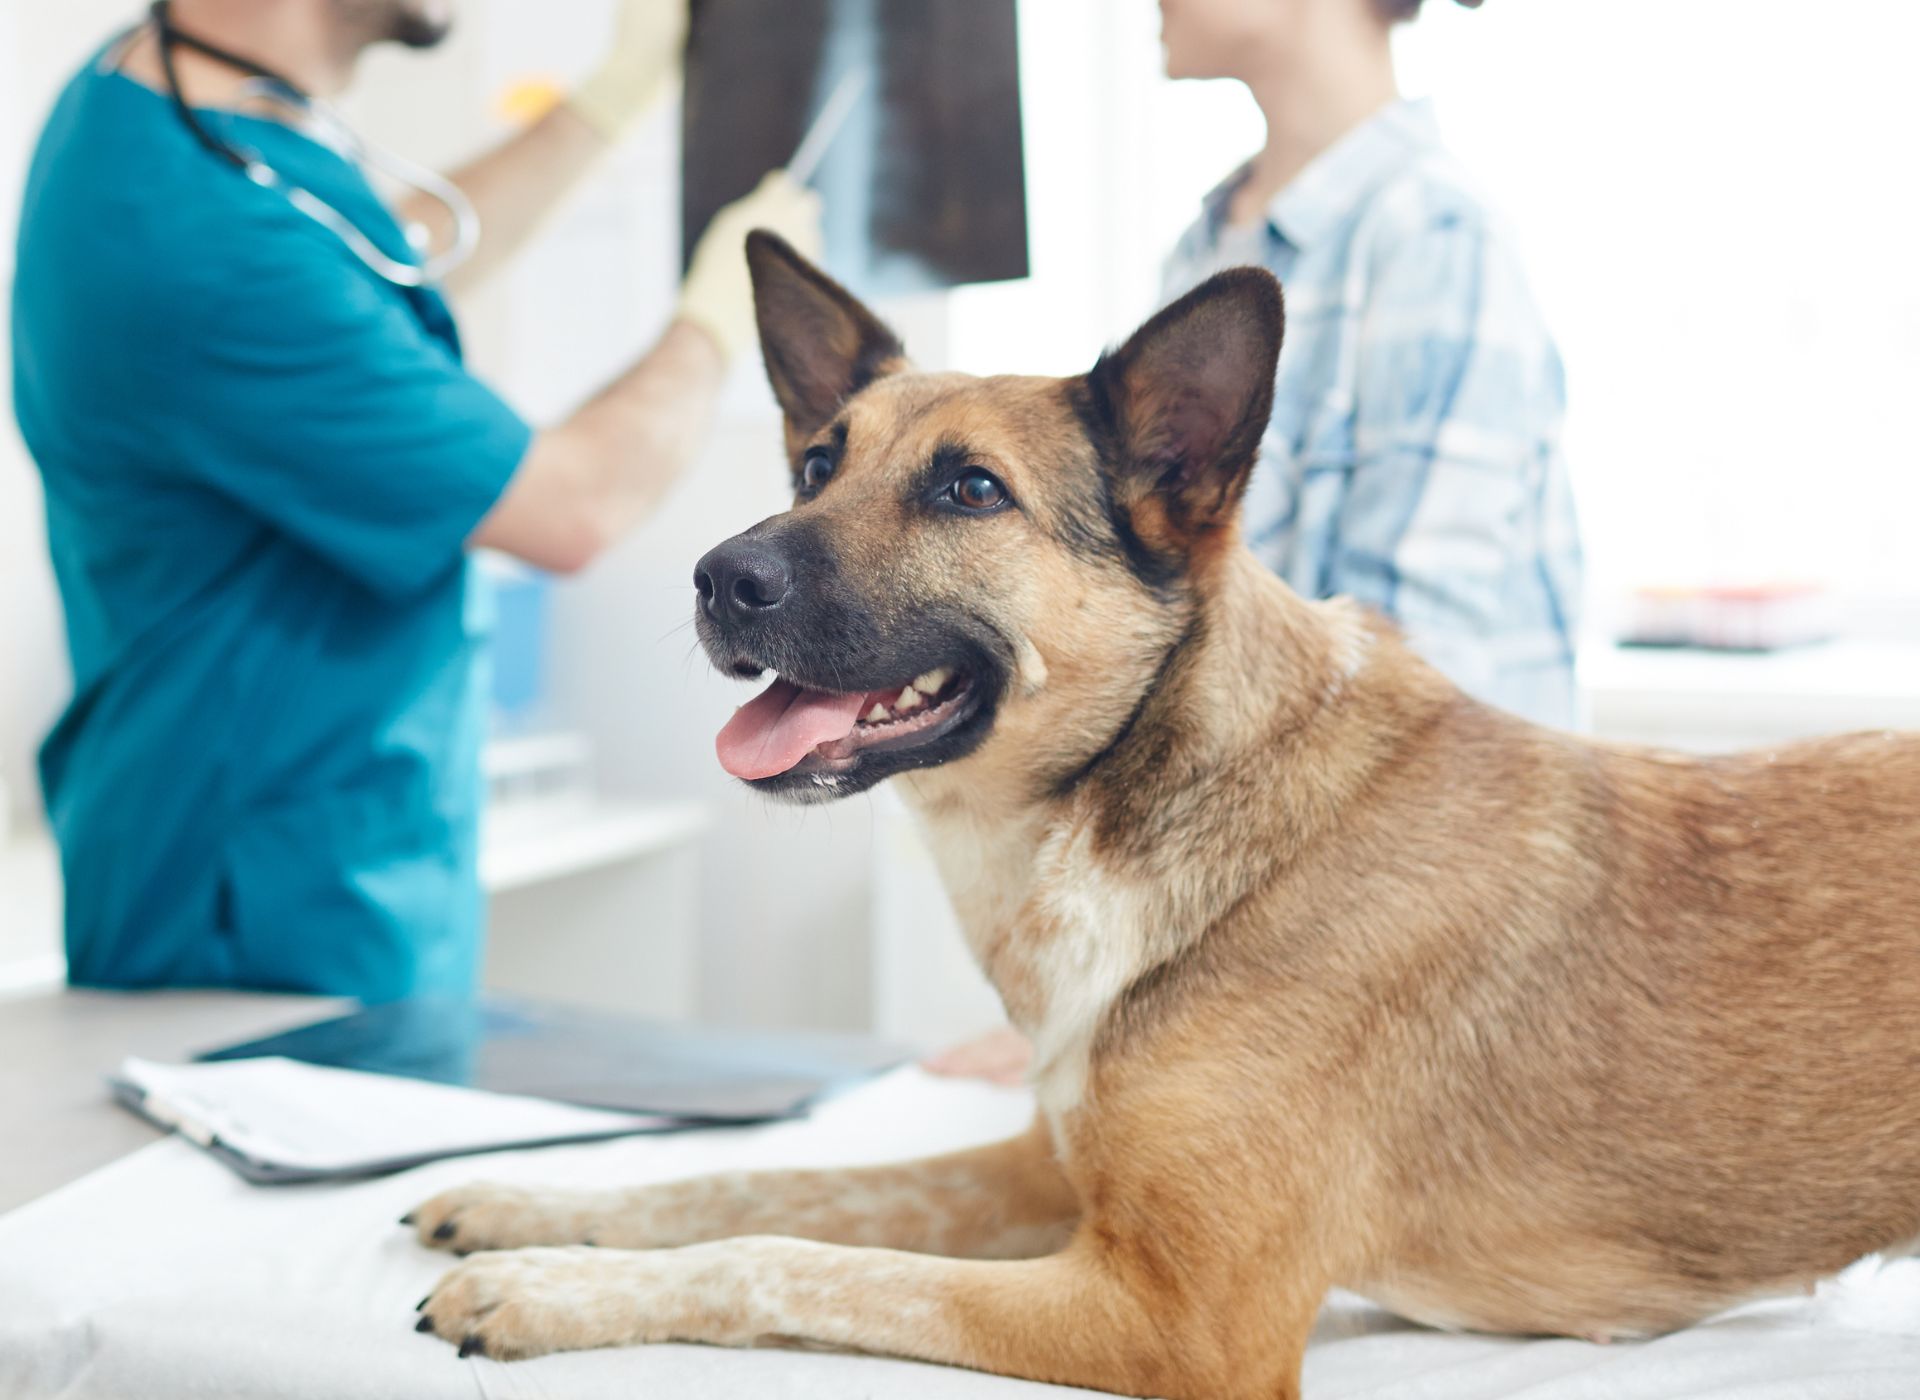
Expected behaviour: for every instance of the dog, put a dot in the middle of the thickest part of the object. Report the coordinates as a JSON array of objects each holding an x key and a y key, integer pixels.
[{"x": 1334, "y": 975}]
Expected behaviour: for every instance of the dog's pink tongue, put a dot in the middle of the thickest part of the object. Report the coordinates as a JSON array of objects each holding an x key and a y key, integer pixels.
[{"x": 782, "y": 725}]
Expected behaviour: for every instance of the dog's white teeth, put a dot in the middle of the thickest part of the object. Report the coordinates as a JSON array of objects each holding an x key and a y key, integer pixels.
[{"x": 910, "y": 698}]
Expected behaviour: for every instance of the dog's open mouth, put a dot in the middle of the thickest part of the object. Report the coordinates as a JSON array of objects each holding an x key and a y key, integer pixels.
[{"x": 788, "y": 725}]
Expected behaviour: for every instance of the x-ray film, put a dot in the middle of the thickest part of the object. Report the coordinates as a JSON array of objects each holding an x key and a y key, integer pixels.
[{"x": 906, "y": 111}]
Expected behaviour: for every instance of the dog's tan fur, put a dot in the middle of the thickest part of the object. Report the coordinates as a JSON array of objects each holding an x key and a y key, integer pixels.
[{"x": 1335, "y": 976}]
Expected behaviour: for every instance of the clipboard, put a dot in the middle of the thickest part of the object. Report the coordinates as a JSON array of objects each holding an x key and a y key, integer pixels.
[
  {"x": 392, "y": 1086},
  {"x": 276, "y": 1122}
]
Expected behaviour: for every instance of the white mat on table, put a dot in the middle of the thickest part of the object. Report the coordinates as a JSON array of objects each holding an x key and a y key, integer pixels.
[{"x": 163, "y": 1277}]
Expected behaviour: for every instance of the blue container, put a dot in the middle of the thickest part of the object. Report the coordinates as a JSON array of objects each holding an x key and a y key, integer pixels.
[{"x": 522, "y": 626}]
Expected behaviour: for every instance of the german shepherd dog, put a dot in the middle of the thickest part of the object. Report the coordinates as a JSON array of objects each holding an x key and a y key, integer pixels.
[{"x": 1334, "y": 975}]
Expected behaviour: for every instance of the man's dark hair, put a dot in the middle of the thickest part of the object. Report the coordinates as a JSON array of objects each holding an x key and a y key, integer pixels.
[{"x": 1398, "y": 10}]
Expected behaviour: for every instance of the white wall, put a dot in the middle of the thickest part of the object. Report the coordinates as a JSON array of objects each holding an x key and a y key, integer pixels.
[
  {"x": 1720, "y": 204},
  {"x": 39, "y": 46}
]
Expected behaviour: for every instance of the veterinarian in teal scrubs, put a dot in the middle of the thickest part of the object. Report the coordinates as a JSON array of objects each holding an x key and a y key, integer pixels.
[{"x": 264, "y": 463}]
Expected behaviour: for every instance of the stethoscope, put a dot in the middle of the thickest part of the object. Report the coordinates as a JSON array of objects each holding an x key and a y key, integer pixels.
[{"x": 321, "y": 123}]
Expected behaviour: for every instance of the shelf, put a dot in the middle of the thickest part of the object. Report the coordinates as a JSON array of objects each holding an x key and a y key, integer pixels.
[
  {"x": 600, "y": 835},
  {"x": 530, "y": 755}
]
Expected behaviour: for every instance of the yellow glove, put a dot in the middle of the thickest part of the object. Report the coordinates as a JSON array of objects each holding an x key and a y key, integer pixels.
[
  {"x": 718, "y": 293},
  {"x": 649, "y": 37}
]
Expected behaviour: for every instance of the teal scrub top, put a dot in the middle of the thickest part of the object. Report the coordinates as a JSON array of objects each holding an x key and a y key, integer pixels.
[{"x": 261, "y": 463}]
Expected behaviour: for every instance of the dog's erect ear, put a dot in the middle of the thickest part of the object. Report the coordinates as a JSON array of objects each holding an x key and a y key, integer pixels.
[
  {"x": 1178, "y": 411},
  {"x": 821, "y": 346}
]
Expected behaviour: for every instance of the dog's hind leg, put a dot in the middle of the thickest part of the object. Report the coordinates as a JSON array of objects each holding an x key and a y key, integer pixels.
[
  {"x": 1005, "y": 1201},
  {"x": 1074, "y": 1318}
]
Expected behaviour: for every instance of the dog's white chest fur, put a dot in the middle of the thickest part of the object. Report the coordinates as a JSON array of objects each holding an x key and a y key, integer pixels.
[{"x": 1056, "y": 930}]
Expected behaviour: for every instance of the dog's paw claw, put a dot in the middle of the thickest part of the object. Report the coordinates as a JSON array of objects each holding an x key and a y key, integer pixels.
[{"x": 508, "y": 1305}]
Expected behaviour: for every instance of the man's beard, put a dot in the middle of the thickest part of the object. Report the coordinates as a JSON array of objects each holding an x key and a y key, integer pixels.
[
  {"x": 394, "y": 21},
  {"x": 417, "y": 30}
]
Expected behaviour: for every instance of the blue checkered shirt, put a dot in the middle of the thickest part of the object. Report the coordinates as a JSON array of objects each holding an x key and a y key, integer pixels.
[{"x": 1413, "y": 461}]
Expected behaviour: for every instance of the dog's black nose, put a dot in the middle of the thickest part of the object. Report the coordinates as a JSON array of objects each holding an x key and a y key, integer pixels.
[{"x": 740, "y": 580}]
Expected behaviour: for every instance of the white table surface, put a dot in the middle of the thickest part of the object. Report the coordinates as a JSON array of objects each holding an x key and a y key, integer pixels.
[{"x": 164, "y": 1277}]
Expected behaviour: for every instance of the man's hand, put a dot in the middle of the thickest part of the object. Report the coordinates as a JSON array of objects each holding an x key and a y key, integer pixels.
[
  {"x": 999, "y": 1057},
  {"x": 718, "y": 293},
  {"x": 649, "y": 38}
]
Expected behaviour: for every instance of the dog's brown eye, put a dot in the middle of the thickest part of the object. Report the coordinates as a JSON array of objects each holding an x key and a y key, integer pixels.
[
  {"x": 815, "y": 471},
  {"x": 978, "y": 491}
]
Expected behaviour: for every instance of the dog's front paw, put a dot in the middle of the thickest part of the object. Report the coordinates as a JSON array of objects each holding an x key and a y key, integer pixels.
[
  {"x": 493, "y": 1215},
  {"x": 530, "y": 1302}
]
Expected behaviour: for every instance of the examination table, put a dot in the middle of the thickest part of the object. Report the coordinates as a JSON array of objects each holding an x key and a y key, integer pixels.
[{"x": 163, "y": 1277}]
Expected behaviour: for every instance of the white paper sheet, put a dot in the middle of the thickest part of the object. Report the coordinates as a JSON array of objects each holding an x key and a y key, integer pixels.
[
  {"x": 314, "y": 1118},
  {"x": 164, "y": 1277}
]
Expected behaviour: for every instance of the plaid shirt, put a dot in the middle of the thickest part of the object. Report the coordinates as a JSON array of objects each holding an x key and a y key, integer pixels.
[{"x": 1413, "y": 461}]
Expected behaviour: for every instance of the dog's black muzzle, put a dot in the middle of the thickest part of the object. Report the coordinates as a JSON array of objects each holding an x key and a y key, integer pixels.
[
  {"x": 772, "y": 599},
  {"x": 775, "y": 598},
  {"x": 741, "y": 581}
]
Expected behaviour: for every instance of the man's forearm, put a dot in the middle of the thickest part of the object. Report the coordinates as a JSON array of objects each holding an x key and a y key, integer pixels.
[
  {"x": 643, "y": 430},
  {"x": 513, "y": 187},
  {"x": 591, "y": 479}
]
